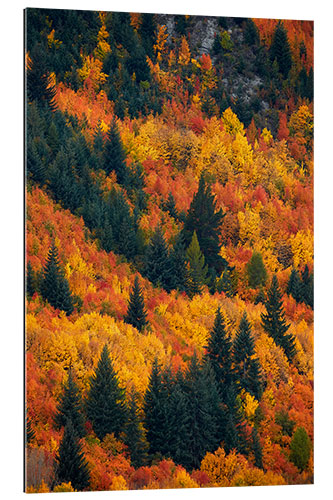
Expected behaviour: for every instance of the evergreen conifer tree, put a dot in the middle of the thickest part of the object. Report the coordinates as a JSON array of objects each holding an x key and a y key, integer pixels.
[
  {"x": 71, "y": 465},
  {"x": 227, "y": 283},
  {"x": 157, "y": 266},
  {"x": 155, "y": 411},
  {"x": 179, "y": 272},
  {"x": 114, "y": 154},
  {"x": 300, "y": 448},
  {"x": 204, "y": 218},
  {"x": 280, "y": 49},
  {"x": 256, "y": 271},
  {"x": 54, "y": 286},
  {"x": 256, "y": 448},
  {"x": 274, "y": 321},
  {"x": 39, "y": 86},
  {"x": 29, "y": 432},
  {"x": 234, "y": 436},
  {"x": 134, "y": 434},
  {"x": 70, "y": 407},
  {"x": 136, "y": 313},
  {"x": 294, "y": 285},
  {"x": 170, "y": 206},
  {"x": 30, "y": 281},
  {"x": 246, "y": 367},
  {"x": 219, "y": 353},
  {"x": 105, "y": 405},
  {"x": 197, "y": 270},
  {"x": 306, "y": 287}
]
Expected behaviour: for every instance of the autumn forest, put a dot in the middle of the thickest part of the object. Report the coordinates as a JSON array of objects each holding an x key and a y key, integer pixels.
[{"x": 169, "y": 251}]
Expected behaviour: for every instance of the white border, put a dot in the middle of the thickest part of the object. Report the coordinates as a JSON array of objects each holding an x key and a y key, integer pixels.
[{"x": 11, "y": 212}]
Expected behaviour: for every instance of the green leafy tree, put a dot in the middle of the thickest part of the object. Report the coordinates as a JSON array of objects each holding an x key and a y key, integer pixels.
[
  {"x": 300, "y": 448},
  {"x": 256, "y": 271},
  {"x": 280, "y": 49},
  {"x": 136, "y": 313},
  {"x": 54, "y": 286},
  {"x": 274, "y": 321},
  {"x": 105, "y": 405},
  {"x": 197, "y": 270},
  {"x": 204, "y": 218},
  {"x": 71, "y": 465},
  {"x": 246, "y": 367},
  {"x": 70, "y": 407},
  {"x": 135, "y": 438}
]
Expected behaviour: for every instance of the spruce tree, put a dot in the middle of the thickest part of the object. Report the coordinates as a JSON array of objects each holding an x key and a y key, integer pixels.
[
  {"x": 177, "y": 259},
  {"x": 105, "y": 405},
  {"x": 136, "y": 313},
  {"x": 70, "y": 407},
  {"x": 246, "y": 368},
  {"x": 300, "y": 448},
  {"x": 234, "y": 435},
  {"x": 134, "y": 434},
  {"x": 54, "y": 286},
  {"x": 30, "y": 283},
  {"x": 256, "y": 448},
  {"x": 294, "y": 285},
  {"x": 256, "y": 271},
  {"x": 29, "y": 432},
  {"x": 170, "y": 206},
  {"x": 39, "y": 86},
  {"x": 219, "y": 353},
  {"x": 274, "y": 321},
  {"x": 306, "y": 287},
  {"x": 157, "y": 266},
  {"x": 204, "y": 218},
  {"x": 155, "y": 411},
  {"x": 71, "y": 465},
  {"x": 227, "y": 283},
  {"x": 114, "y": 154},
  {"x": 280, "y": 49},
  {"x": 197, "y": 270}
]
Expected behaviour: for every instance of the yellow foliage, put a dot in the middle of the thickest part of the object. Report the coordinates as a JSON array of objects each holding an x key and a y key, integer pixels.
[
  {"x": 159, "y": 46},
  {"x": 231, "y": 123},
  {"x": 79, "y": 272},
  {"x": 272, "y": 358},
  {"x": 183, "y": 480},
  {"x": 249, "y": 225},
  {"x": 240, "y": 154},
  {"x": 64, "y": 487},
  {"x": 301, "y": 122},
  {"x": 257, "y": 477},
  {"x": 92, "y": 68},
  {"x": 103, "y": 48},
  {"x": 119, "y": 483},
  {"x": 249, "y": 405},
  {"x": 222, "y": 468},
  {"x": 42, "y": 488},
  {"x": 267, "y": 136},
  {"x": 184, "y": 57},
  {"x": 302, "y": 247}
]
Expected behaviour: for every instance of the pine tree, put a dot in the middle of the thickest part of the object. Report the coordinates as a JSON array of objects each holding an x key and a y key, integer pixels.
[
  {"x": 204, "y": 218},
  {"x": 219, "y": 353},
  {"x": 155, "y": 411},
  {"x": 179, "y": 272},
  {"x": 29, "y": 432},
  {"x": 294, "y": 285},
  {"x": 256, "y": 271},
  {"x": 280, "y": 49},
  {"x": 70, "y": 407},
  {"x": 134, "y": 434},
  {"x": 39, "y": 86},
  {"x": 105, "y": 405},
  {"x": 234, "y": 435},
  {"x": 157, "y": 267},
  {"x": 227, "y": 283},
  {"x": 246, "y": 367},
  {"x": 114, "y": 154},
  {"x": 54, "y": 286},
  {"x": 251, "y": 33},
  {"x": 71, "y": 463},
  {"x": 306, "y": 287},
  {"x": 197, "y": 270},
  {"x": 136, "y": 313},
  {"x": 256, "y": 448},
  {"x": 30, "y": 281},
  {"x": 274, "y": 321},
  {"x": 170, "y": 206}
]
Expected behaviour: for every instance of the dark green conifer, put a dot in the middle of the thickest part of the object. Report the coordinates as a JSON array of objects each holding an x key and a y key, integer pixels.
[
  {"x": 197, "y": 269},
  {"x": 30, "y": 281},
  {"x": 170, "y": 206},
  {"x": 256, "y": 448},
  {"x": 34, "y": 164},
  {"x": 256, "y": 271},
  {"x": 71, "y": 465},
  {"x": 70, "y": 407},
  {"x": 179, "y": 272},
  {"x": 274, "y": 321},
  {"x": 54, "y": 286},
  {"x": 135, "y": 438},
  {"x": 219, "y": 353},
  {"x": 280, "y": 49},
  {"x": 251, "y": 33},
  {"x": 105, "y": 405},
  {"x": 204, "y": 218},
  {"x": 114, "y": 154},
  {"x": 300, "y": 448},
  {"x": 155, "y": 411},
  {"x": 136, "y": 313},
  {"x": 246, "y": 367},
  {"x": 157, "y": 266},
  {"x": 294, "y": 285},
  {"x": 306, "y": 287},
  {"x": 227, "y": 283},
  {"x": 29, "y": 432},
  {"x": 39, "y": 86}
]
